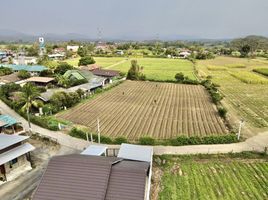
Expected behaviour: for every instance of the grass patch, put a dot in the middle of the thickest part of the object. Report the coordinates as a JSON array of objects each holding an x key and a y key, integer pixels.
[
  {"x": 262, "y": 71},
  {"x": 249, "y": 78}
]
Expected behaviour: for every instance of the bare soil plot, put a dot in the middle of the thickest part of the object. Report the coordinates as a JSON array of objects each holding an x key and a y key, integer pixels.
[{"x": 160, "y": 110}]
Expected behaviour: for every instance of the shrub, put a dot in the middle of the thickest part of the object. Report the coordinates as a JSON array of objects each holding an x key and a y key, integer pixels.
[
  {"x": 222, "y": 112},
  {"x": 147, "y": 140},
  {"x": 5, "y": 71},
  {"x": 23, "y": 74},
  {"x": 78, "y": 133},
  {"x": 87, "y": 60},
  {"x": 120, "y": 140}
]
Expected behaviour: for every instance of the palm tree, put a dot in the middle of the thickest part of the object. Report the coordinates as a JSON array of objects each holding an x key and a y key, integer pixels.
[
  {"x": 28, "y": 96},
  {"x": 63, "y": 81}
]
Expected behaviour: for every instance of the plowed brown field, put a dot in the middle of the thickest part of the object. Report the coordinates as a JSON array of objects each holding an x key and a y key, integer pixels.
[{"x": 160, "y": 110}]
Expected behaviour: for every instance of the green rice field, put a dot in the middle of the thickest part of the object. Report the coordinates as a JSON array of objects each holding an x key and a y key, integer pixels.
[
  {"x": 214, "y": 177},
  {"x": 153, "y": 68}
]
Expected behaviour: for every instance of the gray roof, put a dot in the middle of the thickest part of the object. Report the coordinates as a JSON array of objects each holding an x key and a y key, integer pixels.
[
  {"x": 95, "y": 150},
  {"x": 8, "y": 140},
  {"x": 95, "y": 82},
  {"x": 87, "y": 177},
  {"x": 136, "y": 152},
  {"x": 15, "y": 152}
]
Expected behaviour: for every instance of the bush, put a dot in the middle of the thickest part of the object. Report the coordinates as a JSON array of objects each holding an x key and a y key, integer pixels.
[
  {"x": 222, "y": 112},
  {"x": 78, "y": 133},
  {"x": 147, "y": 140},
  {"x": 87, "y": 60},
  {"x": 23, "y": 74},
  {"x": 120, "y": 140},
  {"x": 5, "y": 71}
]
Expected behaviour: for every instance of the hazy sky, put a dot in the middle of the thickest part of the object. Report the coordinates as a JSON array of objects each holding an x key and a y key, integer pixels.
[{"x": 147, "y": 18}]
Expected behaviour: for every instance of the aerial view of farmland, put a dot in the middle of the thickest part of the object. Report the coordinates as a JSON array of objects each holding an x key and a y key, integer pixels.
[
  {"x": 244, "y": 89},
  {"x": 160, "y": 110}
]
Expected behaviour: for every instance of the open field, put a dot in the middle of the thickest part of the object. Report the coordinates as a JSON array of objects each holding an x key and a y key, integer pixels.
[
  {"x": 154, "y": 68},
  {"x": 218, "y": 177},
  {"x": 161, "y": 110},
  {"x": 248, "y": 99}
]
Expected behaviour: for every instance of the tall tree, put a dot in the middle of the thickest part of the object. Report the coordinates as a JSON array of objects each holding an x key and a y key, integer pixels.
[{"x": 28, "y": 96}]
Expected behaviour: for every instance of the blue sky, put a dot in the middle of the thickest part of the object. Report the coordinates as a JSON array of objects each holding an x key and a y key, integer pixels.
[{"x": 143, "y": 18}]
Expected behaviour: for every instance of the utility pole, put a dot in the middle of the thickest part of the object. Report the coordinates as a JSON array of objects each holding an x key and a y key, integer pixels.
[
  {"x": 241, "y": 123},
  {"x": 98, "y": 129}
]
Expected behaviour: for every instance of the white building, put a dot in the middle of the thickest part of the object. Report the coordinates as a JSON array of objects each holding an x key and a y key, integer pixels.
[{"x": 72, "y": 48}]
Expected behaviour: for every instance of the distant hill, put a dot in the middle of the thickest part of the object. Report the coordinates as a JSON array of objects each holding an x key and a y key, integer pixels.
[{"x": 254, "y": 41}]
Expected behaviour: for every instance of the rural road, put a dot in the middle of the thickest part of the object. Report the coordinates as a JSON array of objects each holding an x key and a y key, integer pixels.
[{"x": 255, "y": 143}]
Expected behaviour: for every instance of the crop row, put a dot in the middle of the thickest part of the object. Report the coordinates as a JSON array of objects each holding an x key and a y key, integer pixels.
[{"x": 160, "y": 110}]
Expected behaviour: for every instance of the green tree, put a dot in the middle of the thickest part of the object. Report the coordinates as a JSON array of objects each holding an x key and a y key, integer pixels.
[
  {"x": 134, "y": 73},
  {"x": 82, "y": 51},
  {"x": 62, "y": 68},
  {"x": 63, "y": 81},
  {"x": 179, "y": 77},
  {"x": 23, "y": 74},
  {"x": 28, "y": 97},
  {"x": 87, "y": 60}
]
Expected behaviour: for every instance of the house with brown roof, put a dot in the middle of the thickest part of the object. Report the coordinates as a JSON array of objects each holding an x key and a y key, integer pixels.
[
  {"x": 14, "y": 156},
  {"x": 88, "y": 176},
  {"x": 40, "y": 81},
  {"x": 10, "y": 78}
]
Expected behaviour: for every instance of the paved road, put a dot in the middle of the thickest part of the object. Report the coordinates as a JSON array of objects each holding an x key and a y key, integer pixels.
[{"x": 256, "y": 143}]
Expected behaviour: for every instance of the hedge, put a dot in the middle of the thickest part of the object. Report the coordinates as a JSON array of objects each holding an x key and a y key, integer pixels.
[{"x": 146, "y": 140}]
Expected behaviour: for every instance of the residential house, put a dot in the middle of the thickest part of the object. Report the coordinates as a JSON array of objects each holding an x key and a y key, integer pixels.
[
  {"x": 89, "y": 176},
  {"x": 40, "y": 81},
  {"x": 32, "y": 69},
  {"x": 10, "y": 78},
  {"x": 23, "y": 60},
  {"x": 108, "y": 74},
  {"x": 14, "y": 156},
  {"x": 73, "y": 48}
]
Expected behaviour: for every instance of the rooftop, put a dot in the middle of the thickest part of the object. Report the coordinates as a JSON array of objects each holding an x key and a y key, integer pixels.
[
  {"x": 30, "y": 68},
  {"x": 40, "y": 79},
  {"x": 105, "y": 72},
  {"x": 8, "y": 140},
  {"x": 7, "y": 120},
  {"x": 87, "y": 177},
  {"x": 11, "y": 78}
]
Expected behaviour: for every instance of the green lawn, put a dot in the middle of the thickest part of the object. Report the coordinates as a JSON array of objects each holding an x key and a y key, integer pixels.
[
  {"x": 154, "y": 68},
  {"x": 214, "y": 177}
]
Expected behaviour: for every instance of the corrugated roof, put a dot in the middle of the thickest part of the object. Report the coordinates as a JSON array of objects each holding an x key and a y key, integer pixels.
[
  {"x": 127, "y": 181},
  {"x": 105, "y": 72},
  {"x": 40, "y": 79},
  {"x": 8, "y": 120},
  {"x": 16, "y": 152},
  {"x": 30, "y": 68},
  {"x": 75, "y": 177},
  {"x": 136, "y": 152},
  {"x": 11, "y": 78},
  {"x": 87, "y": 177},
  {"x": 8, "y": 140},
  {"x": 94, "y": 150}
]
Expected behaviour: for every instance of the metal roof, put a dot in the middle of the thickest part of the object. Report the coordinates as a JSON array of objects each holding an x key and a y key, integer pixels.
[
  {"x": 15, "y": 152},
  {"x": 127, "y": 181},
  {"x": 75, "y": 177},
  {"x": 30, "y": 68},
  {"x": 86, "y": 177},
  {"x": 8, "y": 120},
  {"x": 136, "y": 152},
  {"x": 40, "y": 79},
  {"x": 95, "y": 150},
  {"x": 8, "y": 140}
]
